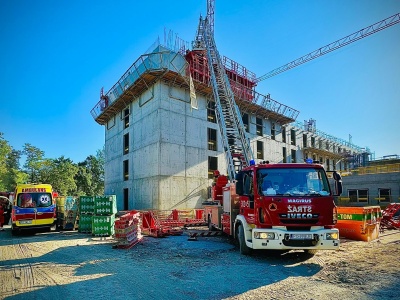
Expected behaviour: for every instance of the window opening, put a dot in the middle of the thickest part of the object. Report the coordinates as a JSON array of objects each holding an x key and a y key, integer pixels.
[
  {"x": 212, "y": 139},
  {"x": 260, "y": 150},
  {"x": 212, "y": 166},
  {"x": 259, "y": 126},
  {"x": 126, "y": 169}
]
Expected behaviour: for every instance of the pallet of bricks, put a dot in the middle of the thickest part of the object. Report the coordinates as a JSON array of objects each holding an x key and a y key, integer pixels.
[
  {"x": 128, "y": 230},
  {"x": 97, "y": 215},
  {"x": 105, "y": 208},
  {"x": 86, "y": 211}
]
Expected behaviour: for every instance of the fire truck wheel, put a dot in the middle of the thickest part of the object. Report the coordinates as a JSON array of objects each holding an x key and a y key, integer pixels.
[{"x": 242, "y": 242}]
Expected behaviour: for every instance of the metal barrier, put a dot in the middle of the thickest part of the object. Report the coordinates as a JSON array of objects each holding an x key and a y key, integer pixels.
[
  {"x": 379, "y": 169},
  {"x": 160, "y": 223}
]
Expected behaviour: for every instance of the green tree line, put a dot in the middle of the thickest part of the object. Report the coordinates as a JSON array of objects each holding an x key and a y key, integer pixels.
[{"x": 66, "y": 177}]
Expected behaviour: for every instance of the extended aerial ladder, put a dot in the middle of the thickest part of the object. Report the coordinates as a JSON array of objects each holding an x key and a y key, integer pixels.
[{"x": 235, "y": 143}]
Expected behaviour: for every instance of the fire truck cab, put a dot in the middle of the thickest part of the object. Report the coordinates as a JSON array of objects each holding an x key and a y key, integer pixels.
[{"x": 279, "y": 207}]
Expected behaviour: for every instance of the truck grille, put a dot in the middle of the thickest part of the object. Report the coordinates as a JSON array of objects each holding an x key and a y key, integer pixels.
[
  {"x": 298, "y": 221},
  {"x": 300, "y": 218}
]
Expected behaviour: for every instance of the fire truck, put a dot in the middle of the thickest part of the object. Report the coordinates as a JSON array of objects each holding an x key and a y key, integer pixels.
[
  {"x": 284, "y": 206},
  {"x": 263, "y": 206}
]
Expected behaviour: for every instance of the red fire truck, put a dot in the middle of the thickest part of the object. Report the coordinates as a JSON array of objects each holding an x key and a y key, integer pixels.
[
  {"x": 277, "y": 207},
  {"x": 265, "y": 206}
]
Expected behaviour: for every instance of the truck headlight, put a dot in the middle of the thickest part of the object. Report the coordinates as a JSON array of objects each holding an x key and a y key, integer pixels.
[
  {"x": 264, "y": 235},
  {"x": 332, "y": 236}
]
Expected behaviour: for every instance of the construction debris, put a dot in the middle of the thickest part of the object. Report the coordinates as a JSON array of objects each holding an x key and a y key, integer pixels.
[{"x": 391, "y": 217}]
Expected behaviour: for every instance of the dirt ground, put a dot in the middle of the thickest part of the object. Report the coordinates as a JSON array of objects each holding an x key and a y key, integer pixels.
[{"x": 70, "y": 265}]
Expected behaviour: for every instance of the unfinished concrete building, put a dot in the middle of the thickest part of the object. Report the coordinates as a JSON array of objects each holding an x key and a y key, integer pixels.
[{"x": 162, "y": 141}]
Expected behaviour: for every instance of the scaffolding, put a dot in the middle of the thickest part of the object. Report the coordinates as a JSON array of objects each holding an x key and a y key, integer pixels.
[{"x": 175, "y": 64}]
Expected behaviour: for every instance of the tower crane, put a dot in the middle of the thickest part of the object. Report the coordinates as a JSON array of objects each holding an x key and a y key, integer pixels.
[{"x": 362, "y": 33}]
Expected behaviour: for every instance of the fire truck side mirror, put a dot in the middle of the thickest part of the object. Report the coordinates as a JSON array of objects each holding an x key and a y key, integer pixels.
[
  {"x": 338, "y": 183},
  {"x": 239, "y": 183}
]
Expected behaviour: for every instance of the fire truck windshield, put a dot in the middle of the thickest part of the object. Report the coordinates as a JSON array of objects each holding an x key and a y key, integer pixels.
[{"x": 293, "y": 182}]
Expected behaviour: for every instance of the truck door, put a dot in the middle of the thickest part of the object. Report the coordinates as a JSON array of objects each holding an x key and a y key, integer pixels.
[{"x": 247, "y": 198}]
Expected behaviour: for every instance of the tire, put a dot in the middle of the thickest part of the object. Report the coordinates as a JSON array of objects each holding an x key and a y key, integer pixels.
[
  {"x": 311, "y": 252},
  {"x": 242, "y": 241},
  {"x": 14, "y": 231}
]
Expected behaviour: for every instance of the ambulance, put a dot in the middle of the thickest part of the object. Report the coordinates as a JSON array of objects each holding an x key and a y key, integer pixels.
[{"x": 34, "y": 207}]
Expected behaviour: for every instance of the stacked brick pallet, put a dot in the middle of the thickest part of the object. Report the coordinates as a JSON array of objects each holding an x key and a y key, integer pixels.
[
  {"x": 97, "y": 215},
  {"x": 128, "y": 230},
  {"x": 105, "y": 208},
  {"x": 86, "y": 210}
]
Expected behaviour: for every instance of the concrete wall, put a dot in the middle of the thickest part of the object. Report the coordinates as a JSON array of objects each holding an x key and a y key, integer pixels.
[
  {"x": 372, "y": 182},
  {"x": 168, "y": 156}
]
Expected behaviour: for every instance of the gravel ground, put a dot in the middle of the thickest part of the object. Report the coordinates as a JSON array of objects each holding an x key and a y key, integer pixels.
[{"x": 69, "y": 265}]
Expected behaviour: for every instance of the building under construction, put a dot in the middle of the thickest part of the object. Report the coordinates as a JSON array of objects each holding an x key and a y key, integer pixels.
[{"x": 161, "y": 136}]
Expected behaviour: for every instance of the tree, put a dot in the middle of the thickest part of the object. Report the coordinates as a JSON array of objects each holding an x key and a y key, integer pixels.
[
  {"x": 60, "y": 174},
  {"x": 90, "y": 176},
  {"x": 13, "y": 174},
  {"x": 5, "y": 149},
  {"x": 34, "y": 161}
]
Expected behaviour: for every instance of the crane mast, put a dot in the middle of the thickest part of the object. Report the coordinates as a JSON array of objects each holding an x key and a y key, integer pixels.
[{"x": 235, "y": 143}]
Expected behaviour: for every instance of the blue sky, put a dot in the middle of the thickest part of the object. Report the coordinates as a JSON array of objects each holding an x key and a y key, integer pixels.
[{"x": 56, "y": 56}]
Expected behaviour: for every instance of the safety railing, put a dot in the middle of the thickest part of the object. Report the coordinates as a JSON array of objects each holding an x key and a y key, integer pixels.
[
  {"x": 161, "y": 59},
  {"x": 378, "y": 169}
]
